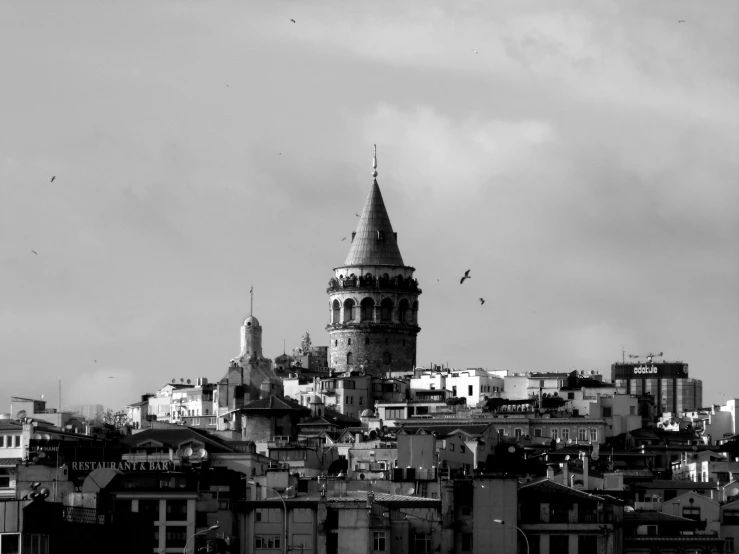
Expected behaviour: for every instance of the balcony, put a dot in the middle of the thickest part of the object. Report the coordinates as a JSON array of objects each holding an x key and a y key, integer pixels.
[{"x": 91, "y": 516}]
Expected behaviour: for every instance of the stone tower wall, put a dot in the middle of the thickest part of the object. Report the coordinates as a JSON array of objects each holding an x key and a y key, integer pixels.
[{"x": 373, "y": 338}]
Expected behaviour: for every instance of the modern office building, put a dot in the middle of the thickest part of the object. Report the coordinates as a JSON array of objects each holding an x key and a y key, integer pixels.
[{"x": 667, "y": 382}]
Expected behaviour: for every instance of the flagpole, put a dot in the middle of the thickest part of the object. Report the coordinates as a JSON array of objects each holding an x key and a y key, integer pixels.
[{"x": 251, "y": 304}]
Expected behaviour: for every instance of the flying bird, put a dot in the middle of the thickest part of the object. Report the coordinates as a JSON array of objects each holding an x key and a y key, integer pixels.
[
  {"x": 482, "y": 301},
  {"x": 111, "y": 377},
  {"x": 292, "y": 20},
  {"x": 52, "y": 179},
  {"x": 681, "y": 21},
  {"x": 34, "y": 252},
  {"x": 475, "y": 51},
  {"x": 343, "y": 239},
  {"x": 356, "y": 214},
  {"x": 466, "y": 276}
]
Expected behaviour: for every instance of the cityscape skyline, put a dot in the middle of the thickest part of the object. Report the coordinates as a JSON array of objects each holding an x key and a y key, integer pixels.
[{"x": 582, "y": 169}]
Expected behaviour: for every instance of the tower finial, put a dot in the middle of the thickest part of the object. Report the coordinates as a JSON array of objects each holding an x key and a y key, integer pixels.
[{"x": 374, "y": 163}]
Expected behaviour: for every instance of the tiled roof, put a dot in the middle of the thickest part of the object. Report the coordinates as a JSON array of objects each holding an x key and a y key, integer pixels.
[
  {"x": 174, "y": 436},
  {"x": 670, "y": 484},
  {"x": 361, "y": 496},
  {"x": 642, "y": 517},
  {"x": 274, "y": 403},
  {"x": 548, "y": 486},
  {"x": 631, "y": 473},
  {"x": 367, "y": 247}
]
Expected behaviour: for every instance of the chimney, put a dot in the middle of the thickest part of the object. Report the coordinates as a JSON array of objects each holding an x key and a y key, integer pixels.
[
  {"x": 358, "y": 437},
  {"x": 566, "y": 472},
  {"x": 340, "y": 487},
  {"x": 585, "y": 482},
  {"x": 550, "y": 473}
]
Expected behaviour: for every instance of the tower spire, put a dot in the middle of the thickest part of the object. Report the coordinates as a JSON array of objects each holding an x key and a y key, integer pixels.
[
  {"x": 374, "y": 164},
  {"x": 251, "y": 301}
]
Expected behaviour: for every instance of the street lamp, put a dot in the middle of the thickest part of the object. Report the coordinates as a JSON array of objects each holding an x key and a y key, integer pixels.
[
  {"x": 211, "y": 528},
  {"x": 501, "y": 522},
  {"x": 284, "y": 546}
]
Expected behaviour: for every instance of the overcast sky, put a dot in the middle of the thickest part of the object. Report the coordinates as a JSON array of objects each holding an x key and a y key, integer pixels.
[{"x": 583, "y": 164}]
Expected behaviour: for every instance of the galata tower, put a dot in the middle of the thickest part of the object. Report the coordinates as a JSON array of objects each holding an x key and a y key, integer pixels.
[{"x": 373, "y": 298}]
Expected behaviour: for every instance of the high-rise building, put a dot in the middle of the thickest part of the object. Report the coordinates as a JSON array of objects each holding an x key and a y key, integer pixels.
[
  {"x": 667, "y": 382},
  {"x": 373, "y": 298}
]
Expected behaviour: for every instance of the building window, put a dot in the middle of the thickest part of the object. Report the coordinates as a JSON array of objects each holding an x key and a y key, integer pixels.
[
  {"x": 10, "y": 543},
  {"x": 349, "y": 358},
  {"x": 336, "y": 343},
  {"x": 349, "y": 342},
  {"x": 570, "y": 396},
  {"x": 451, "y": 447},
  {"x": 466, "y": 542},
  {"x": 270, "y": 542},
  {"x": 386, "y": 358},
  {"x": 348, "y": 310},
  {"x": 301, "y": 543},
  {"x": 537, "y": 432},
  {"x": 379, "y": 541},
  {"x": 731, "y": 517},
  {"x": 360, "y": 400},
  {"x": 302, "y": 515},
  {"x": 175, "y": 537},
  {"x": 394, "y": 413},
  {"x": 366, "y": 341},
  {"x": 268, "y": 515},
  {"x": 729, "y": 544},
  {"x": 565, "y": 435},
  {"x": 582, "y": 434},
  {"x": 462, "y": 449},
  {"x": 692, "y": 512},
  {"x": 607, "y": 411},
  {"x": 196, "y": 421},
  {"x": 469, "y": 390},
  {"x": 386, "y": 342},
  {"x": 555, "y": 434},
  {"x": 177, "y": 510},
  {"x": 517, "y": 433},
  {"x": 212, "y": 421},
  {"x": 594, "y": 435},
  {"x": 4, "y": 479},
  {"x": 36, "y": 544},
  {"x": 587, "y": 543},
  {"x": 560, "y": 544},
  {"x": 404, "y": 343},
  {"x": 422, "y": 543}
]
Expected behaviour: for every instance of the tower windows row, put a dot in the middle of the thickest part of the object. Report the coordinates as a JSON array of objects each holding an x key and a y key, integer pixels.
[
  {"x": 386, "y": 358},
  {"x": 369, "y": 311},
  {"x": 366, "y": 341}
]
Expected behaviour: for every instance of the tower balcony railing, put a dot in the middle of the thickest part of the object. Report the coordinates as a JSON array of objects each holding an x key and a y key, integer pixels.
[{"x": 408, "y": 284}]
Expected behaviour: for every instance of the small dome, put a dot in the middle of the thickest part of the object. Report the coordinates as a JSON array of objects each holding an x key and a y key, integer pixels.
[
  {"x": 251, "y": 321},
  {"x": 315, "y": 400},
  {"x": 368, "y": 413}
]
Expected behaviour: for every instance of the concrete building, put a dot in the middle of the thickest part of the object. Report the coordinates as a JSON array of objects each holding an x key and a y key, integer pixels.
[
  {"x": 373, "y": 298},
  {"x": 193, "y": 401},
  {"x": 37, "y": 410},
  {"x": 667, "y": 382},
  {"x": 474, "y": 385}
]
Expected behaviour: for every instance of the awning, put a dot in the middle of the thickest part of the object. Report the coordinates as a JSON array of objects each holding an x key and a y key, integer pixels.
[{"x": 10, "y": 462}]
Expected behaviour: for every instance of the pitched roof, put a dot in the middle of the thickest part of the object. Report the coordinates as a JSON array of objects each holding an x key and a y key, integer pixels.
[
  {"x": 642, "y": 517},
  {"x": 374, "y": 242},
  {"x": 548, "y": 486},
  {"x": 274, "y": 403},
  {"x": 174, "y": 436}
]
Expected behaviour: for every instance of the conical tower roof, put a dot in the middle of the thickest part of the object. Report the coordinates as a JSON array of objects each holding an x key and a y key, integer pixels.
[{"x": 374, "y": 242}]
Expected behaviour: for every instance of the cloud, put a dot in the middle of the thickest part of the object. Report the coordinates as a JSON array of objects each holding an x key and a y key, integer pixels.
[{"x": 425, "y": 149}]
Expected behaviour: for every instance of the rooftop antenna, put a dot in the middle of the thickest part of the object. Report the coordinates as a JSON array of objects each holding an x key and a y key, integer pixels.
[
  {"x": 623, "y": 355},
  {"x": 251, "y": 304},
  {"x": 374, "y": 164}
]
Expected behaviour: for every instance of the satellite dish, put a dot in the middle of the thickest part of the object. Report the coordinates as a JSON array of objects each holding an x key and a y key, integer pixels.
[
  {"x": 695, "y": 448},
  {"x": 42, "y": 455},
  {"x": 203, "y": 454},
  {"x": 569, "y": 441},
  {"x": 411, "y": 491},
  {"x": 362, "y": 476},
  {"x": 21, "y": 414},
  {"x": 44, "y": 492},
  {"x": 512, "y": 449},
  {"x": 188, "y": 381},
  {"x": 595, "y": 457},
  {"x": 36, "y": 436},
  {"x": 173, "y": 380},
  {"x": 567, "y": 458},
  {"x": 47, "y": 437},
  {"x": 733, "y": 491},
  {"x": 188, "y": 452},
  {"x": 179, "y": 453},
  {"x": 182, "y": 379},
  {"x": 558, "y": 440}
]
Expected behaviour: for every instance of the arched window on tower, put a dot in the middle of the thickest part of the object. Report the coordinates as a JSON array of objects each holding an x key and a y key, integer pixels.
[
  {"x": 368, "y": 309},
  {"x": 349, "y": 358},
  {"x": 386, "y": 310},
  {"x": 403, "y": 308},
  {"x": 348, "y": 310},
  {"x": 386, "y": 358},
  {"x": 335, "y": 312},
  {"x": 415, "y": 312}
]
